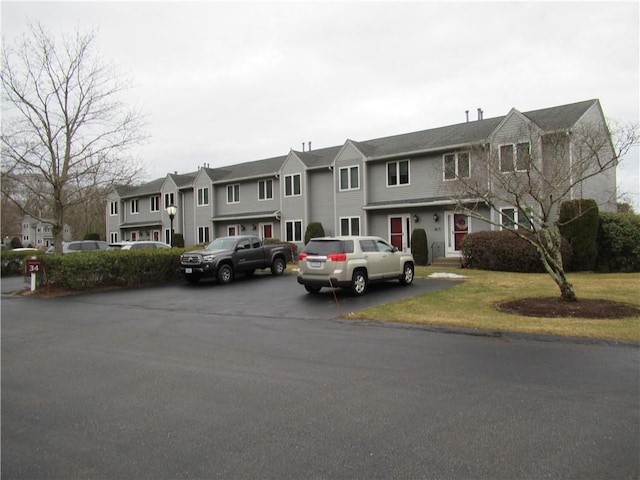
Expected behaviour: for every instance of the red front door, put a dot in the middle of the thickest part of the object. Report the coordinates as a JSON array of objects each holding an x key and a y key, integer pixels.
[{"x": 395, "y": 224}]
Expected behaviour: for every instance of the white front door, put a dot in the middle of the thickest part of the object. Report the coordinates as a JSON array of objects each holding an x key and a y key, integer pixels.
[{"x": 457, "y": 226}]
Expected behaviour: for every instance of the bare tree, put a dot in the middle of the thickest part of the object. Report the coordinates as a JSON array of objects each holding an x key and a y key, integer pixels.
[
  {"x": 534, "y": 176},
  {"x": 66, "y": 136}
]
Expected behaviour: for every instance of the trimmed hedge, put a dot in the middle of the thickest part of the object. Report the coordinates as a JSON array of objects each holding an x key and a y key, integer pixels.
[
  {"x": 13, "y": 263},
  {"x": 505, "y": 251},
  {"x": 111, "y": 268},
  {"x": 619, "y": 242},
  {"x": 314, "y": 230}
]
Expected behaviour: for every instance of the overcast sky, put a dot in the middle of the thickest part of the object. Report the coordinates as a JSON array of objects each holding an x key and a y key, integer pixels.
[{"x": 229, "y": 82}]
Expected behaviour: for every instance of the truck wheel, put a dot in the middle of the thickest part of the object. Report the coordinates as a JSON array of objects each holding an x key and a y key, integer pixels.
[
  {"x": 407, "y": 275},
  {"x": 278, "y": 266},
  {"x": 225, "y": 274},
  {"x": 312, "y": 288},
  {"x": 192, "y": 278},
  {"x": 359, "y": 283}
]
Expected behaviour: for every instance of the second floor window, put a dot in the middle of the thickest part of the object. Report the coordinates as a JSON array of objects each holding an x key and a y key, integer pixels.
[
  {"x": 515, "y": 157},
  {"x": 233, "y": 193},
  {"x": 155, "y": 203},
  {"x": 113, "y": 208},
  {"x": 292, "y": 185},
  {"x": 456, "y": 165},
  {"x": 511, "y": 219},
  {"x": 203, "y": 197},
  {"x": 398, "y": 173},
  {"x": 135, "y": 206},
  {"x": 349, "y": 178},
  {"x": 169, "y": 199},
  {"x": 265, "y": 189}
]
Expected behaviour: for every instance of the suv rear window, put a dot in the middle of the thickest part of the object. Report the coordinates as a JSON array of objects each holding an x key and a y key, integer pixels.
[{"x": 324, "y": 247}]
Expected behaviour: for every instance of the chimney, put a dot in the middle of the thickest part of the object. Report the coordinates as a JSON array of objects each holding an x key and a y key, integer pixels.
[{"x": 466, "y": 112}]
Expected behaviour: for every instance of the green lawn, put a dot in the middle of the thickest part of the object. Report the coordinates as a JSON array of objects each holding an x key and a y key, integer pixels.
[{"x": 471, "y": 304}]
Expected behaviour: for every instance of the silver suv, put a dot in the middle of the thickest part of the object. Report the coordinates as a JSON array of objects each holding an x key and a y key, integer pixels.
[{"x": 352, "y": 262}]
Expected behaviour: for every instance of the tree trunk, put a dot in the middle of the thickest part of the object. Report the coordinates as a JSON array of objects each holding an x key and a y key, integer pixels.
[{"x": 551, "y": 256}]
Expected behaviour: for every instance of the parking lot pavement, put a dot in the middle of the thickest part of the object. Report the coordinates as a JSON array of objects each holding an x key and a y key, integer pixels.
[
  {"x": 257, "y": 380},
  {"x": 260, "y": 295}
]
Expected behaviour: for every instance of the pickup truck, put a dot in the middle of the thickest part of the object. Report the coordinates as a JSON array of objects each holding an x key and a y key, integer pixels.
[{"x": 227, "y": 256}]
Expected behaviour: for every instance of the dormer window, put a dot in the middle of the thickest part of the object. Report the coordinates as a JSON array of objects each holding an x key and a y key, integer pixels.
[{"x": 515, "y": 157}]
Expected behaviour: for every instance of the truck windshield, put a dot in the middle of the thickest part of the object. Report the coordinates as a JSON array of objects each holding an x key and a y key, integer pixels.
[{"x": 221, "y": 244}]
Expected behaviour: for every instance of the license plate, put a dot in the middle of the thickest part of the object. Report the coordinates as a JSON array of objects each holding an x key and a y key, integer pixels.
[
  {"x": 315, "y": 264},
  {"x": 188, "y": 270}
]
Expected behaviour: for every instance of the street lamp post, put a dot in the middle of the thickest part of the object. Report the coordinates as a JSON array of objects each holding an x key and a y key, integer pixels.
[{"x": 171, "y": 211}]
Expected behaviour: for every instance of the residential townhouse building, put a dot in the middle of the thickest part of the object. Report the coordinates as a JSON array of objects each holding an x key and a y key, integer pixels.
[
  {"x": 38, "y": 233},
  {"x": 386, "y": 186}
]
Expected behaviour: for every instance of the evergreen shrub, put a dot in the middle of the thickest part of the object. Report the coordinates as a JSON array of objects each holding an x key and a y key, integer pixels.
[
  {"x": 578, "y": 222},
  {"x": 92, "y": 236},
  {"x": 619, "y": 242},
  {"x": 505, "y": 251},
  {"x": 314, "y": 230},
  {"x": 419, "y": 246}
]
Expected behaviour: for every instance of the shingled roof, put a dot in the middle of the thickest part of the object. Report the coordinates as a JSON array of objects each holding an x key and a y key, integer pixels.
[{"x": 451, "y": 136}]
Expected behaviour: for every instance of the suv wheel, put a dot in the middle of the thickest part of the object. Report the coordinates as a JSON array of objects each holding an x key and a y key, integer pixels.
[
  {"x": 278, "y": 266},
  {"x": 225, "y": 274},
  {"x": 407, "y": 275},
  {"x": 359, "y": 283}
]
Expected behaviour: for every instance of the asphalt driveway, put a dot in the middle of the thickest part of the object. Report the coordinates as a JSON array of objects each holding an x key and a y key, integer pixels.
[{"x": 257, "y": 379}]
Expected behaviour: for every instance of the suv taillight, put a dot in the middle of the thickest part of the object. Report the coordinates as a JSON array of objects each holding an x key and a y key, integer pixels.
[
  {"x": 337, "y": 257},
  {"x": 302, "y": 256}
]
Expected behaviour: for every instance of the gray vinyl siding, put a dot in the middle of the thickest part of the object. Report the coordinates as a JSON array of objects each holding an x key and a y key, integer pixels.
[
  {"x": 187, "y": 205},
  {"x": 349, "y": 203},
  {"x": 294, "y": 207},
  {"x": 202, "y": 214},
  {"x": 602, "y": 187},
  {"x": 425, "y": 179},
  {"x": 321, "y": 207}
]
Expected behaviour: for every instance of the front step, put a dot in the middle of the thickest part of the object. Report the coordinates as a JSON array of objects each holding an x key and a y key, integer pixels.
[{"x": 447, "y": 262}]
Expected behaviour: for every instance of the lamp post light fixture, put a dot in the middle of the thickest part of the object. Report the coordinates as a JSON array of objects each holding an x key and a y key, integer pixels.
[
  {"x": 171, "y": 211},
  {"x": 435, "y": 217}
]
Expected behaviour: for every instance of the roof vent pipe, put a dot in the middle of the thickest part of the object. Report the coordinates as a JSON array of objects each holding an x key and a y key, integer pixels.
[
  {"x": 309, "y": 146},
  {"x": 466, "y": 112},
  {"x": 303, "y": 146},
  {"x": 480, "y": 113}
]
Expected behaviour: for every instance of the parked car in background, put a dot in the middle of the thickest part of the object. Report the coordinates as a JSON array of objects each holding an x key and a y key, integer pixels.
[
  {"x": 138, "y": 245},
  {"x": 352, "y": 263},
  {"x": 83, "y": 246}
]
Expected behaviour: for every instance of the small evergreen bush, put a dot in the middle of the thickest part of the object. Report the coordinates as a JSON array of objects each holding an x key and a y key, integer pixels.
[
  {"x": 92, "y": 236},
  {"x": 314, "y": 230},
  {"x": 419, "y": 247},
  {"x": 177, "y": 240},
  {"x": 578, "y": 222}
]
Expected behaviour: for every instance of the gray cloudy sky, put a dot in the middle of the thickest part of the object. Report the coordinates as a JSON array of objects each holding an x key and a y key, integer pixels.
[{"x": 228, "y": 82}]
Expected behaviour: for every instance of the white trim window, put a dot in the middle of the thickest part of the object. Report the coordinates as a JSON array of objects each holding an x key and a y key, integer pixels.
[
  {"x": 293, "y": 230},
  {"x": 113, "y": 237},
  {"x": 203, "y": 197},
  {"x": 293, "y": 185},
  {"x": 265, "y": 189},
  {"x": 349, "y": 178},
  {"x": 169, "y": 199},
  {"x": 349, "y": 225},
  {"x": 456, "y": 165},
  {"x": 233, "y": 193},
  {"x": 203, "y": 234},
  {"x": 398, "y": 173},
  {"x": 113, "y": 208},
  {"x": 510, "y": 219},
  {"x": 155, "y": 204},
  {"x": 515, "y": 157},
  {"x": 135, "y": 206}
]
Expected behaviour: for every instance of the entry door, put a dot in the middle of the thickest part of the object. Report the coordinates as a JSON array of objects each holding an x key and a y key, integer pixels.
[
  {"x": 457, "y": 225},
  {"x": 399, "y": 228},
  {"x": 267, "y": 230}
]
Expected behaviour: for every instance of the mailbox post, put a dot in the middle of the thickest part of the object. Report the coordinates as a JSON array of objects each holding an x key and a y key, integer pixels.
[{"x": 34, "y": 268}]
